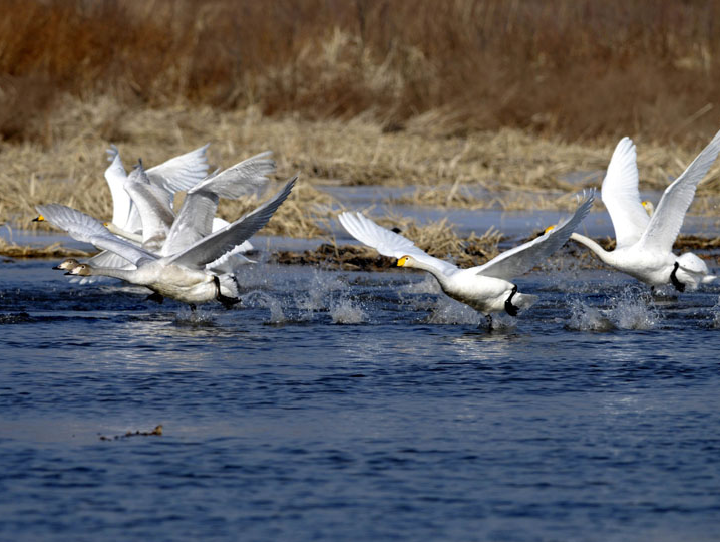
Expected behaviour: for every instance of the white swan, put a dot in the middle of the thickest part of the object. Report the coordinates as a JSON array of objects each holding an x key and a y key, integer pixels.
[
  {"x": 645, "y": 237},
  {"x": 187, "y": 275},
  {"x": 485, "y": 288},
  {"x": 151, "y": 205}
]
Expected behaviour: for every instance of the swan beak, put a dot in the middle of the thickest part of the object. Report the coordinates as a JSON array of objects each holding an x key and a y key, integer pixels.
[
  {"x": 401, "y": 261},
  {"x": 40, "y": 218},
  {"x": 57, "y": 267},
  {"x": 550, "y": 228},
  {"x": 68, "y": 273},
  {"x": 106, "y": 224}
]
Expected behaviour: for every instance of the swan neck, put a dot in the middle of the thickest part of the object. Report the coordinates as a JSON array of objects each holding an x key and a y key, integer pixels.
[
  {"x": 114, "y": 272},
  {"x": 592, "y": 245},
  {"x": 115, "y": 230}
]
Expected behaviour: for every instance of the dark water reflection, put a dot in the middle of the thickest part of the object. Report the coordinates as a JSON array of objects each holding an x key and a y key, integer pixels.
[{"x": 357, "y": 406}]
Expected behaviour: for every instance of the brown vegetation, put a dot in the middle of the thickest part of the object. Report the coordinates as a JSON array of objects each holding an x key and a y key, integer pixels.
[{"x": 581, "y": 69}]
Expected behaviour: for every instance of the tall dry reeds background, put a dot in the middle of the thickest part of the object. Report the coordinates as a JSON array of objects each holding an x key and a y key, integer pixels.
[
  {"x": 496, "y": 92},
  {"x": 578, "y": 68}
]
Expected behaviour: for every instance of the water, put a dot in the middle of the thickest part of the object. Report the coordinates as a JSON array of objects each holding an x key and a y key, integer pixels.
[{"x": 357, "y": 406}]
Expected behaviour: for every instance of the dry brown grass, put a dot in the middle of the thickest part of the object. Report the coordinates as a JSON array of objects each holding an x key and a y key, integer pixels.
[{"x": 577, "y": 69}]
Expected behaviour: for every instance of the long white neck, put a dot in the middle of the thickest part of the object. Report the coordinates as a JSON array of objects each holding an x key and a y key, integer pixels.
[
  {"x": 441, "y": 278},
  {"x": 115, "y": 272},
  {"x": 601, "y": 253},
  {"x": 115, "y": 230}
]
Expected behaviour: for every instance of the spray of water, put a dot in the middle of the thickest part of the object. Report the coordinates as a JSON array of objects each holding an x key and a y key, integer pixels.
[
  {"x": 344, "y": 311},
  {"x": 266, "y": 301},
  {"x": 630, "y": 309}
]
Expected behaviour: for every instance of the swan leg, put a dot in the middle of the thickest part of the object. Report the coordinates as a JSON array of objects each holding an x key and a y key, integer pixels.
[
  {"x": 679, "y": 286},
  {"x": 227, "y": 302},
  {"x": 511, "y": 309},
  {"x": 488, "y": 320},
  {"x": 193, "y": 307},
  {"x": 156, "y": 297}
]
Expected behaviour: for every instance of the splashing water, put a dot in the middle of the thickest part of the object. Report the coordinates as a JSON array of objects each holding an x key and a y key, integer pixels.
[
  {"x": 193, "y": 319},
  {"x": 344, "y": 311},
  {"x": 265, "y": 300},
  {"x": 630, "y": 310},
  {"x": 715, "y": 311},
  {"x": 587, "y": 318},
  {"x": 448, "y": 311},
  {"x": 320, "y": 286}
]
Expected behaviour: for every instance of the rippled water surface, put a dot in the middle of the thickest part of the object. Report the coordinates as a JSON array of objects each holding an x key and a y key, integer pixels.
[{"x": 357, "y": 406}]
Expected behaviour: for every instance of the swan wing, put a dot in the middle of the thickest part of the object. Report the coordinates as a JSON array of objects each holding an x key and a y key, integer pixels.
[
  {"x": 193, "y": 222},
  {"x": 115, "y": 177},
  {"x": 226, "y": 239},
  {"x": 182, "y": 172},
  {"x": 668, "y": 217},
  {"x": 86, "y": 229},
  {"x": 243, "y": 179},
  {"x": 522, "y": 258},
  {"x": 389, "y": 243},
  {"x": 152, "y": 203},
  {"x": 621, "y": 196}
]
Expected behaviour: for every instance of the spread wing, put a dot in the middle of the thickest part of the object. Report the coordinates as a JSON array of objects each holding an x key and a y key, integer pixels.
[
  {"x": 115, "y": 177},
  {"x": 152, "y": 203},
  {"x": 226, "y": 239},
  {"x": 389, "y": 243},
  {"x": 621, "y": 196},
  {"x": 182, "y": 172},
  {"x": 521, "y": 259},
  {"x": 195, "y": 219},
  {"x": 89, "y": 230},
  {"x": 667, "y": 219}
]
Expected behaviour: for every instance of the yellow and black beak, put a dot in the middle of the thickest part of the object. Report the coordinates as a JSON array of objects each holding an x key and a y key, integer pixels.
[
  {"x": 39, "y": 218},
  {"x": 550, "y": 228},
  {"x": 401, "y": 262}
]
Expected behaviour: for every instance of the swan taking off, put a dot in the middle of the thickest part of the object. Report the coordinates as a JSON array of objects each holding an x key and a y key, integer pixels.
[
  {"x": 187, "y": 275},
  {"x": 645, "y": 236},
  {"x": 485, "y": 288}
]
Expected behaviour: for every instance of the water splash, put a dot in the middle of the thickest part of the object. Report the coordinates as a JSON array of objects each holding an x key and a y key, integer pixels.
[
  {"x": 587, "y": 318},
  {"x": 188, "y": 318},
  {"x": 715, "y": 311},
  {"x": 315, "y": 299},
  {"x": 630, "y": 309},
  {"x": 448, "y": 311},
  {"x": 266, "y": 301},
  {"x": 344, "y": 311},
  {"x": 633, "y": 310}
]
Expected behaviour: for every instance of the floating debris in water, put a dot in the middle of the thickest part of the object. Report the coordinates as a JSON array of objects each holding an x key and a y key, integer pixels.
[{"x": 157, "y": 432}]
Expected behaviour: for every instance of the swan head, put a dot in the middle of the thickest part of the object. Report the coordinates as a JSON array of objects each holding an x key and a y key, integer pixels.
[
  {"x": 39, "y": 218},
  {"x": 83, "y": 270},
  {"x": 406, "y": 261},
  {"x": 649, "y": 207},
  {"x": 67, "y": 264}
]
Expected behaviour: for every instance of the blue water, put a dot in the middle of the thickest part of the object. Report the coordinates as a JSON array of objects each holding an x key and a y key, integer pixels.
[{"x": 357, "y": 406}]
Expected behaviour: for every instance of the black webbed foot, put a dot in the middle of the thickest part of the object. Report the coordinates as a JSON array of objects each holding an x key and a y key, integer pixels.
[
  {"x": 511, "y": 309},
  {"x": 679, "y": 286}
]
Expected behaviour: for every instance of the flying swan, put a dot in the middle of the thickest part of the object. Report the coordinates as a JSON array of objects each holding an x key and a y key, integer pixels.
[
  {"x": 187, "y": 275},
  {"x": 486, "y": 288},
  {"x": 645, "y": 236}
]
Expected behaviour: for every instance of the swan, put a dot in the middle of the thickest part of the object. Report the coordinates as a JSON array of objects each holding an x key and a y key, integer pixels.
[
  {"x": 486, "y": 288},
  {"x": 188, "y": 275},
  {"x": 151, "y": 203},
  {"x": 645, "y": 235}
]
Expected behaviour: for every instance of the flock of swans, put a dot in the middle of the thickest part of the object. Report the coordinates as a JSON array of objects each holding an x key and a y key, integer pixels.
[{"x": 192, "y": 256}]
